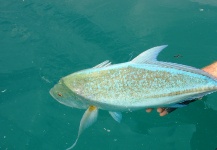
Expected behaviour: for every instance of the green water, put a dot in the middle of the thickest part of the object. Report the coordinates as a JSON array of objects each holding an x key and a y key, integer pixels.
[{"x": 42, "y": 41}]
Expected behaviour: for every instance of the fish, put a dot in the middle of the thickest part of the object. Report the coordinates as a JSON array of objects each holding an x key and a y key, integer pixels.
[{"x": 143, "y": 82}]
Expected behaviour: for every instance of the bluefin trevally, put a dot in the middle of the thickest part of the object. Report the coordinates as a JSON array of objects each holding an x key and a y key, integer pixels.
[{"x": 143, "y": 82}]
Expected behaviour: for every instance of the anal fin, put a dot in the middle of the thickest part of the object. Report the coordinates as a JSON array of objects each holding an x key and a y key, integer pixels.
[{"x": 178, "y": 105}]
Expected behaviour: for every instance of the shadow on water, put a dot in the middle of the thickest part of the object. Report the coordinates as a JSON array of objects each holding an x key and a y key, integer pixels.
[{"x": 185, "y": 128}]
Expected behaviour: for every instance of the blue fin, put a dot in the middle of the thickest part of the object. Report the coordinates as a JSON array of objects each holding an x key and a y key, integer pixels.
[
  {"x": 176, "y": 105},
  {"x": 149, "y": 55},
  {"x": 89, "y": 117},
  {"x": 117, "y": 116},
  {"x": 183, "y": 67}
]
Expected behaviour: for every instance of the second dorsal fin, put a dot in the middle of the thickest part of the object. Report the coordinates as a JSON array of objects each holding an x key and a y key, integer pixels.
[{"x": 149, "y": 55}]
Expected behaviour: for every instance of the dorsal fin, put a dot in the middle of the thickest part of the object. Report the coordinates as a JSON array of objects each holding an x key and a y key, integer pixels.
[
  {"x": 103, "y": 64},
  {"x": 149, "y": 55}
]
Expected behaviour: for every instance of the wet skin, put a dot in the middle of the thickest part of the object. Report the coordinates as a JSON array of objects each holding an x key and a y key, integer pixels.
[{"x": 211, "y": 69}]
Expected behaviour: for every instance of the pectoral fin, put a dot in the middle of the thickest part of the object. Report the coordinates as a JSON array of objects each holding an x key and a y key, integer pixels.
[
  {"x": 117, "y": 116},
  {"x": 89, "y": 117}
]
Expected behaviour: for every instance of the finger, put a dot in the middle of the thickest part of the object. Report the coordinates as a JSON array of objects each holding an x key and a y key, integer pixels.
[
  {"x": 160, "y": 110},
  {"x": 148, "y": 110},
  {"x": 163, "y": 113}
]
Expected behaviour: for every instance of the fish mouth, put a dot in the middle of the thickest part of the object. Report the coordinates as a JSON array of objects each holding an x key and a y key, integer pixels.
[
  {"x": 51, "y": 93},
  {"x": 54, "y": 95},
  {"x": 54, "y": 92}
]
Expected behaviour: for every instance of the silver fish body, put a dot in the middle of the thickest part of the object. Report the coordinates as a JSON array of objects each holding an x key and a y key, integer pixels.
[
  {"x": 134, "y": 85},
  {"x": 143, "y": 82}
]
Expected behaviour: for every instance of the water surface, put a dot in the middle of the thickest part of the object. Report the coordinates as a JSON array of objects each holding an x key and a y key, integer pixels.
[{"x": 42, "y": 41}]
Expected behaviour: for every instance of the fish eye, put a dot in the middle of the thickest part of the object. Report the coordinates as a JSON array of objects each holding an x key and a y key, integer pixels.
[{"x": 59, "y": 94}]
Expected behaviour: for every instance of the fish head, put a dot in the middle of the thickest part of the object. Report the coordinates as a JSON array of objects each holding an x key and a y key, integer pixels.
[{"x": 66, "y": 96}]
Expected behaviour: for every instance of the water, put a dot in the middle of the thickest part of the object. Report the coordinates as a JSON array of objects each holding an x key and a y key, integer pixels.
[{"x": 42, "y": 41}]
